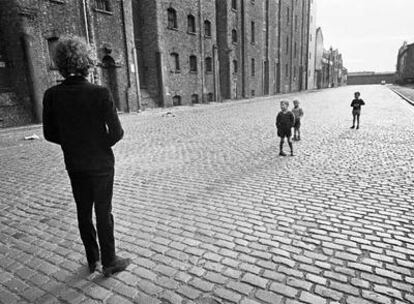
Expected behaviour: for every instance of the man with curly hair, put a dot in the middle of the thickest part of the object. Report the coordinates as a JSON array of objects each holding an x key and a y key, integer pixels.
[{"x": 82, "y": 119}]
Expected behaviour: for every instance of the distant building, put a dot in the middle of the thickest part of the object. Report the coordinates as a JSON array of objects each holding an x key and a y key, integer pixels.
[
  {"x": 405, "y": 63},
  {"x": 29, "y": 30},
  {"x": 320, "y": 60},
  {"x": 360, "y": 78}
]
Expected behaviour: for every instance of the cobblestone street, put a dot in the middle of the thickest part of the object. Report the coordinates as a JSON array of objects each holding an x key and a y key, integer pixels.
[{"x": 206, "y": 209}]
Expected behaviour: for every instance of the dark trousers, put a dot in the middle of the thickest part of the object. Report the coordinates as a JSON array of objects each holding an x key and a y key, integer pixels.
[{"x": 91, "y": 189}]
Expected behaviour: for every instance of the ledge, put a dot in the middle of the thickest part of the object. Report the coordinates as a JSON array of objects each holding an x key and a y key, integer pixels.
[{"x": 103, "y": 11}]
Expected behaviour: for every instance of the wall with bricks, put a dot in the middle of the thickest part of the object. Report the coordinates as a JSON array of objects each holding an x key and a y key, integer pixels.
[
  {"x": 157, "y": 42},
  {"x": 29, "y": 30}
]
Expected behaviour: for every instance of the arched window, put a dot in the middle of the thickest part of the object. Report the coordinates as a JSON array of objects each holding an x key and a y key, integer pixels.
[
  {"x": 209, "y": 65},
  {"x": 51, "y": 44},
  {"x": 253, "y": 66},
  {"x": 191, "y": 24},
  {"x": 207, "y": 28},
  {"x": 234, "y": 36},
  {"x": 175, "y": 62},
  {"x": 172, "y": 18},
  {"x": 177, "y": 100},
  {"x": 193, "y": 63},
  {"x": 194, "y": 98},
  {"x": 235, "y": 66},
  {"x": 234, "y": 4}
]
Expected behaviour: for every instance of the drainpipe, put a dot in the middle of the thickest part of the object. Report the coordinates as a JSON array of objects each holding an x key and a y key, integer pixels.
[
  {"x": 134, "y": 50},
  {"x": 34, "y": 83},
  {"x": 243, "y": 51},
  {"x": 279, "y": 41},
  {"x": 200, "y": 21},
  {"x": 87, "y": 36},
  {"x": 85, "y": 20}
]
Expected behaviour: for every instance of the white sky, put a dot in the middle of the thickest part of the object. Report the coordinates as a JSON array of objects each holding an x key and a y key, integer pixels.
[{"x": 368, "y": 33}]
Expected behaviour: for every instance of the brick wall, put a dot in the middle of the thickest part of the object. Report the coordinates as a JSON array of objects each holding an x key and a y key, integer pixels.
[{"x": 28, "y": 30}]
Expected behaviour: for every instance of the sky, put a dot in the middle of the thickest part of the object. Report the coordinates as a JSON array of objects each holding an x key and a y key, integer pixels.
[{"x": 368, "y": 33}]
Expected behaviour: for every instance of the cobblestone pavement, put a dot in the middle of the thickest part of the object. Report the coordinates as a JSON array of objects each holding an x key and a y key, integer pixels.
[{"x": 207, "y": 209}]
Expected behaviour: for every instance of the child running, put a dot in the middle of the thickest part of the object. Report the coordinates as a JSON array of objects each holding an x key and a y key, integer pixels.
[
  {"x": 284, "y": 123},
  {"x": 298, "y": 112}
]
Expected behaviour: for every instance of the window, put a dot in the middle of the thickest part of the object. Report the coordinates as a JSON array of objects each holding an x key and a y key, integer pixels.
[
  {"x": 295, "y": 51},
  {"x": 294, "y": 73},
  {"x": 191, "y": 24},
  {"x": 193, "y": 63},
  {"x": 253, "y": 93},
  {"x": 194, "y": 98},
  {"x": 210, "y": 97},
  {"x": 175, "y": 62},
  {"x": 51, "y": 43},
  {"x": 296, "y": 23},
  {"x": 252, "y": 27},
  {"x": 103, "y": 5},
  {"x": 209, "y": 65},
  {"x": 234, "y": 4},
  {"x": 286, "y": 70},
  {"x": 207, "y": 28},
  {"x": 287, "y": 45},
  {"x": 235, "y": 66},
  {"x": 253, "y": 67},
  {"x": 288, "y": 15},
  {"x": 177, "y": 100},
  {"x": 234, "y": 36},
  {"x": 172, "y": 18}
]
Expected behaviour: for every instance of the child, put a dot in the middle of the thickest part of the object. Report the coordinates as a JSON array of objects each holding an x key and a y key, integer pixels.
[
  {"x": 284, "y": 123},
  {"x": 298, "y": 112},
  {"x": 356, "y": 109}
]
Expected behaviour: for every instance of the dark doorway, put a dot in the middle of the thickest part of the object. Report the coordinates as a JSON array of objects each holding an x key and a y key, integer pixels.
[{"x": 110, "y": 78}]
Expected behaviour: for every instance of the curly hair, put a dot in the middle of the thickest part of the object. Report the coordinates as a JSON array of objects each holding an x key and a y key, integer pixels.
[{"x": 73, "y": 55}]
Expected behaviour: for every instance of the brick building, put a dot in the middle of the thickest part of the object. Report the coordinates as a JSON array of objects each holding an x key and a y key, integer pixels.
[
  {"x": 29, "y": 31},
  {"x": 263, "y": 46},
  {"x": 157, "y": 53},
  {"x": 177, "y": 51},
  {"x": 405, "y": 64}
]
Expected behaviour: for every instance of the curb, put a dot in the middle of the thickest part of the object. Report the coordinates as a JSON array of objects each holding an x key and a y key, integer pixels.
[{"x": 403, "y": 96}]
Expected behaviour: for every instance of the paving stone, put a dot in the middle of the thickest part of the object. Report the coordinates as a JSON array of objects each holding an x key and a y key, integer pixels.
[{"x": 254, "y": 280}]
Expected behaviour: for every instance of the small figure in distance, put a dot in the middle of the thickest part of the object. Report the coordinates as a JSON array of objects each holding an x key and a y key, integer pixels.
[
  {"x": 81, "y": 117},
  {"x": 356, "y": 109},
  {"x": 298, "y": 112},
  {"x": 284, "y": 123}
]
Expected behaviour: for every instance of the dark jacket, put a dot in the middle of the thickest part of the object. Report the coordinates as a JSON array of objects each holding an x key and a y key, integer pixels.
[
  {"x": 285, "y": 121},
  {"x": 81, "y": 117}
]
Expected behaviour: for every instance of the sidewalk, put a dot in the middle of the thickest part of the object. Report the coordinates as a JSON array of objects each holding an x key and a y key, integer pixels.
[{"x": 406, "y": 92}]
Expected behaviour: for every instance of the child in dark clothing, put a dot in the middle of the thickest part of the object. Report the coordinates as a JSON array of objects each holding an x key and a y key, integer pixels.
[
  {"x": 284, "y": 123},
  {"x": 356, "y": 109}
]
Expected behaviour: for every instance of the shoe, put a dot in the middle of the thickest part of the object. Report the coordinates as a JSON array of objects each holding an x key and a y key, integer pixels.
[
  {"x": 353, "y": 127},
  {"x": 298, "y": 138},
  {"x": 117, "y": 266},
  {"x": 92, "y": 267},
  {"x": 294, "y": 138},
  {"x": 357, "y": 127},
  {"x": 291, "y": 154},
  {"x": 281, "y": 153}
]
